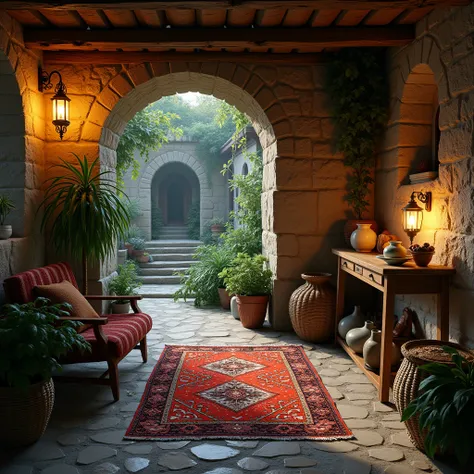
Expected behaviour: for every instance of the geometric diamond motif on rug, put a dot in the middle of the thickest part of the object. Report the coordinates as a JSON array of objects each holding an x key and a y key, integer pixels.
[
  {"x": 236, "y": 395},
  {"x": 233, "y": 366}
]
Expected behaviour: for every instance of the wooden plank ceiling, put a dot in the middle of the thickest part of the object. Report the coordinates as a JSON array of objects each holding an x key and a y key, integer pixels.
[{"x": 221, "y": 26}]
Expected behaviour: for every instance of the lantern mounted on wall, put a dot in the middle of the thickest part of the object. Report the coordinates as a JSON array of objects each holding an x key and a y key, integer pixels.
[
  {"x": 60, "y": 101},
  {"x": 413, "y": 213}
]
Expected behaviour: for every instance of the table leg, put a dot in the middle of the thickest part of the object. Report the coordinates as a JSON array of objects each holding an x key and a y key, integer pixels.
[
  {"x": 341, "y": 283},
  {"x": 387, "y": 338},
  {"x": 442, "y": 311}
]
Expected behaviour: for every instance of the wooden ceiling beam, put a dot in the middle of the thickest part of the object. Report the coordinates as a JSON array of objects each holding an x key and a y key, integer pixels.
[
  {"x": 228, "y": 4},
  {"x": 138, "y": 57},
  {"x": 339, "y": 37}
]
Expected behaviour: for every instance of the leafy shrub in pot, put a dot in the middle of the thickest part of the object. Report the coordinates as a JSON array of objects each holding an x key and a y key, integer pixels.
[
  {"x": 6, "y": 206},
  {"x": 32, "y": 339},
  {"x": 125, "y": 283},
  {"x": 251, "y": 281}
]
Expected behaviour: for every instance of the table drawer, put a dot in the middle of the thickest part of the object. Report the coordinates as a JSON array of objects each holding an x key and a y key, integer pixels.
[
  {"x": 372, "y": 276},
  {"x": 346, "y": 264},
  {"x": 358, "y": 269}
]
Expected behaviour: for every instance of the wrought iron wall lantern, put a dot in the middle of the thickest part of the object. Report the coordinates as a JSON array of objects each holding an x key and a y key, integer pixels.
[
  {"x": 60, "y": 100},
  {"x": 413, "y": 213}
]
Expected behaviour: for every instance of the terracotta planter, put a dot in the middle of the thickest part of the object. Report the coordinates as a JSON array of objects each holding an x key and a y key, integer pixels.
[
  {"x": 224, "y": 298},
  {"x": 129, "y": 248},
  {"x": 312, "y": 308},
  {"x": 25, "y": 413},
  {"x": 138, "y": 253},
  {"x": 351, "y": 225},
  {"x": 143, "y": 258},
  {"x": 217, "y": 229},
  {"x": 252, "y": 310}
]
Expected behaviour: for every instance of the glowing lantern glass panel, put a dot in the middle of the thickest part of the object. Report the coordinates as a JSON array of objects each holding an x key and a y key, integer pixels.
[
  {"x": 60, "y": 103},
  {"x": 412, "y": 218}
]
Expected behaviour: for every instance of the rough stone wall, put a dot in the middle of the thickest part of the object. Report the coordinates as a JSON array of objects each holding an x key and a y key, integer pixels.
[
  {"x": 303, "y": 206},
  {"x": 213, "y": 193},
  {"x": 444, "y": 48},
  {"x": 21, "y": 148}
]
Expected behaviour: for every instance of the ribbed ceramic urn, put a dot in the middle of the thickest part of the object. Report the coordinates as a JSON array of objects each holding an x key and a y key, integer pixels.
[{"x": 312, "y": 308}]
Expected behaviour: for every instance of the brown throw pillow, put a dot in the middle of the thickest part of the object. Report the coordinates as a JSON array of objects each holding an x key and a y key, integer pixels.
[{"x": 66, "y": 292}]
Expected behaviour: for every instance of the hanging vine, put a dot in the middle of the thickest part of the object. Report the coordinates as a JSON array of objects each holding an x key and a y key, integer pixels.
[{"x": 356, "y": 83}]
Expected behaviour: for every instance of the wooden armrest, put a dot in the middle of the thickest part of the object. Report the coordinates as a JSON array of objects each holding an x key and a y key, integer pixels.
[
  {"x": 93, "y": 321},
  {"x": 113, "y": 297}
]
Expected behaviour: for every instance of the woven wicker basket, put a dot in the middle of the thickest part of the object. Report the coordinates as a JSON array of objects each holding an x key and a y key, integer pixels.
[
  {"x": 312, "y": 308},
  {"x": 24, "y": 413},
  {"x": 408, "y": 378}
]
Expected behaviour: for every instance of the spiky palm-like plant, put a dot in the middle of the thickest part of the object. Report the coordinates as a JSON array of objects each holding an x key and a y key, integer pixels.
[{"x": 85, "y": 211}]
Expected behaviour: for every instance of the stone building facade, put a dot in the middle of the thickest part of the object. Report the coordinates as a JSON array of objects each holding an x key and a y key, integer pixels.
[{"x": 304, "y": 179}]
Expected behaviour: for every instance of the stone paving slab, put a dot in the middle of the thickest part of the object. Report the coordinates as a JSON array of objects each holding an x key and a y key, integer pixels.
[{"x": 84, "y": 431}]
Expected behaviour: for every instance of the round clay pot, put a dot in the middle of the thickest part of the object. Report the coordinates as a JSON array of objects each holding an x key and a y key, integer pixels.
[
  {"x": 252, "y": 310},
  {"x": 395, "y": 250},
  {"x": 234, "y": 309},
  {"x": 351, "y": 225},
  {"x": 224, "y": 298},
  {"x": 363, "y": 239},
  {"x": 422, "y": 259},
  {"x": 120, "y": 308},
  {"x": 356, "y": 338},
  {"x": 143, "y": 259},
  {"x": 25, "y": 413},
  {"x": 372, "y": 348},
  {"x": 354, "y": 320},
  {"x": 5, "y": 232},
  {"x": 138, "y": 253},
  {"x": 217, "y": 229},
  {"x": 312, "y": 308},
  {"x": 129, "y": 248}
]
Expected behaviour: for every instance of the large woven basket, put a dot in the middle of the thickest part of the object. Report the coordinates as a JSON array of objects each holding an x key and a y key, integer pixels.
[
  {"x": 312, "y": 308},
  {"x": 24, "y": 413},
  {"x": 409, "y": 377}
]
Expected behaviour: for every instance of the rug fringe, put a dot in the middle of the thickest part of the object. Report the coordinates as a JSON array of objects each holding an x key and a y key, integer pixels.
[{"x": 243, "y": 438}]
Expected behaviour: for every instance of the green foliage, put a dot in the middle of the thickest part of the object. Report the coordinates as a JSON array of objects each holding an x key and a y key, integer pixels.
[
  {"x": 6, "y": 206},
  {"x": 126, "y": 282},
  {"x": 207, "y": 237},
  {"x": 156, "y": 222},
  {"x": 247, "y": 276},
  {"x": 194, "y": 221},
  {"x": 217, "y": 221},
  {"x": 32, "y": 338},
  {"x": 147, "y": 131},
  {"x": 133, "y": 206},
  {"x": 356, "y": 82},
  {"x": 137, "y": 243},
  {"x": 86, "y": 214},
  {"x": 242, "y": 240},
  {"x": 133, "y": 232},
  {"x": 445, "y": 407},
  {"x": 201, "y": 281}
]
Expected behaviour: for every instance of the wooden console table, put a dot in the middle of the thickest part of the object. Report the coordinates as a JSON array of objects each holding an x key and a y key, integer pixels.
[{"x": 405, "y": 280}]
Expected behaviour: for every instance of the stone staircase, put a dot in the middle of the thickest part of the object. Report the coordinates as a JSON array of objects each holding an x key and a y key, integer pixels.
[{"x": 170, "y": 255}]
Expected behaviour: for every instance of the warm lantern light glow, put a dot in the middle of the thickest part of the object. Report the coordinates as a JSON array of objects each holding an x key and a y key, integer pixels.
[{"x": 413, "y": 214}]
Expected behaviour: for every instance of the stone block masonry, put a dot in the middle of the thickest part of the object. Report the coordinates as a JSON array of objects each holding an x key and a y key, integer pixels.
[{"x": 442, "y": 56}]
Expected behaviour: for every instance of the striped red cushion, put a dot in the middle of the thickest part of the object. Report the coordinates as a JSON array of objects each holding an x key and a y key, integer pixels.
[
  {"x": 19, "y": 288},
  {"x": 124, "y": 332}
]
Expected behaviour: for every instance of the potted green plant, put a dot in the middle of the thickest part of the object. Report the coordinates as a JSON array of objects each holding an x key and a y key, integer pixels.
[
  {"x": 32, "y": 339},
  {"x": 145, "y": 258},
  {"x": 6, "y": 206},
  {"x": 251, "y": 281},
  {"x": 132, "y": 232},
  {"x": 84, "y": 212},
  {"x": 202, "y": 280},
  {"x": 217, "y": 226},
  {"x": 138, "y": 245},
  {"x": 125, "y": 283},
  {"x": 445, "y": 408}
]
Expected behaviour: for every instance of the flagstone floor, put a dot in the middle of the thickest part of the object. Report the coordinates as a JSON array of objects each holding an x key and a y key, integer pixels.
[{"x": 86, "y": 429}]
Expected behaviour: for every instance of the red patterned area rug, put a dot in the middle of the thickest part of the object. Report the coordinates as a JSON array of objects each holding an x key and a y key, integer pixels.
[{"x": 236, "y": 392}]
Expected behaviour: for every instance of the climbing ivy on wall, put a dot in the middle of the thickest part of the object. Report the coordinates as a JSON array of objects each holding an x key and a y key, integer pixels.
[{"x": 356, "y": 83}]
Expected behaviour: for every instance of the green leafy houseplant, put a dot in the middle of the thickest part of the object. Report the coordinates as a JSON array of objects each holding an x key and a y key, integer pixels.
[
  {"x": 126, "y": 282},
  {"x": 6, "y": 206},
  {"x": 445, "y": 407},
  {"x": 32, "y": 340},
  {"x": 137, "y": 243},
  {"x": 194, "y": 221},
  {"x": 248, "y": 276},
  {"x": 202, "y": 281},
  {"x": 86, "y": 214},
  {"x": 356, "y": 83}
]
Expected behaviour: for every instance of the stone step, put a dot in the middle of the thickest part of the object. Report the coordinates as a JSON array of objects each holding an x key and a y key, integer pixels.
[
  {"x": 160, "y": 280},
  {"x": 168, "y": 264},
  {"x": 158, "y": 291},
  {"x": 174, "y": 237},
  {"x": 166, "y": 257},
  {"x": 161, "y": 271},
  {"x": 152, "y": 244},
  {"x": 166, "y": 250}
]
